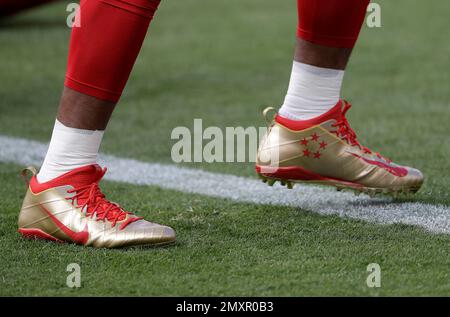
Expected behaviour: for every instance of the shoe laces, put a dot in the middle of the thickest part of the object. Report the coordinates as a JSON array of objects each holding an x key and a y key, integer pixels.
[
  {"x": 91, "y": 197},
  {"x": 346, "y": 133}
]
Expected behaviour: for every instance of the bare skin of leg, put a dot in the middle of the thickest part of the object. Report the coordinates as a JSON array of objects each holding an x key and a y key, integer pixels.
[
  {"x": 321, "y": 56},
  {"x": 80, "y": 111}
]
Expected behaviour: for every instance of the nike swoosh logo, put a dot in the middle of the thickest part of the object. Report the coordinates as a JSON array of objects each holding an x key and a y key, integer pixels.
[
  {"x": 77, "y": 237},
  {"x": 394, "y": 170}
]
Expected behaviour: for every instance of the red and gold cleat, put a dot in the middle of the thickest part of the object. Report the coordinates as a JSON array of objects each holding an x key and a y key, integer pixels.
[
  {"x": 325, "y": 150},
  {"x": 72, "y": 208}
]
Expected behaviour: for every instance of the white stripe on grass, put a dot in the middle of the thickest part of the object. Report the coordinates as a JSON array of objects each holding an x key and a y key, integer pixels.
[{"x": 325, "y": 201}]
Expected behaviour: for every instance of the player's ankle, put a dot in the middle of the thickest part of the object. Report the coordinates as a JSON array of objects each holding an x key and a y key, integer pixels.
[
  {"x": 69, "y": 149},
  {"x": 312, "y": 91}
]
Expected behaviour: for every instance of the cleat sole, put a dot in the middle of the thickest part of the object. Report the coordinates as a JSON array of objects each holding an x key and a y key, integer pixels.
[{"x": 342, "y": 186}]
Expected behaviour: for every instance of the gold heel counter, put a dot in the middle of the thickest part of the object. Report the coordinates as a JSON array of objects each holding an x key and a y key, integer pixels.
[{"x": 30, "y": 214}]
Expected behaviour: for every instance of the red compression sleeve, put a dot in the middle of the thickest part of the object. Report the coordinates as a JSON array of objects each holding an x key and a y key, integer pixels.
[
  {"x": 334, "y": 23},
  {"x": 105, "y": 46}
]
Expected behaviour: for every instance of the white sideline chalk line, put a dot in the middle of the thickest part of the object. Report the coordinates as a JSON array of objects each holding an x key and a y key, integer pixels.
[{"x": 321, "y": 200}]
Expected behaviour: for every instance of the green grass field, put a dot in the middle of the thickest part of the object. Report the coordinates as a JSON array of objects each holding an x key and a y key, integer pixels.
[{"x": 223, "y": 61}]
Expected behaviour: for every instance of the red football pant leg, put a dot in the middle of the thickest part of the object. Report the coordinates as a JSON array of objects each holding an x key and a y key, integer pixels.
[
  {"x": 334, "y": 23},
  {"x": 105, "y": 46}
]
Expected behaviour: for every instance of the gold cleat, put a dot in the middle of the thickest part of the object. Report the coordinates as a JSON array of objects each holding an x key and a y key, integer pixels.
[
  {"x": 72, "y": 208},
  {"x": 325, "y": 150}
]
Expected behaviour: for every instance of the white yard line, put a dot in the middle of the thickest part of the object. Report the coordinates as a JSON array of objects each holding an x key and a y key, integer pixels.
[{"x": 324, "y": 201}]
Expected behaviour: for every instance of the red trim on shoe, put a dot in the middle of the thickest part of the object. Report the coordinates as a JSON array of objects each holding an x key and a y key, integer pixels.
[
  {"x": 84, "y": 182},
  {"x": 32, "y": 233},
  {"x": 128, "y": 221},
  {"x": 394, "y": 170},
  {"x": 80, "y": 176},
  {"x": 298, "y": 125},
  {"x": 296, "y": 173},
  {"x": 78, "y": 237}
]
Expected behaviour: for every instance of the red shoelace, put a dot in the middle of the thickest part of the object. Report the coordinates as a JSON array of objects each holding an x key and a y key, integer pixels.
[
  {"x": 92, "y": 197},
  {"x": 345, "y": 132}
]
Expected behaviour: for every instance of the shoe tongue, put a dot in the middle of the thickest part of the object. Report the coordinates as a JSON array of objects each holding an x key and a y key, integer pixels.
[{"x": 83, "y": 176}]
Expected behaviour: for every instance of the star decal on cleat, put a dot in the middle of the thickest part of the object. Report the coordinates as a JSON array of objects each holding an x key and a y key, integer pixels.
[
  {"x": 315, "y": 137},
  {"x": 304, "y": 142},
  {"x": 313, "y": 151}
]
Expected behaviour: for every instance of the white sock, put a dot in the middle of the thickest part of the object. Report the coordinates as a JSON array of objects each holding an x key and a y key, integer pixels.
[
  {"x": 69, "y": 149},
  {"x": 312, "y": 91}
]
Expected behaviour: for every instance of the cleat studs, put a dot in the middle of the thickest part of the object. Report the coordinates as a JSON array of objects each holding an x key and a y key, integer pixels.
[{"x": 272, "y": 181}]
